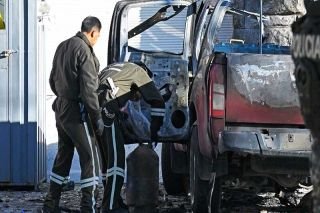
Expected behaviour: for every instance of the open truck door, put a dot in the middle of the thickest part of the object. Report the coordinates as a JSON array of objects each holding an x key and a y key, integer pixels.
[{"x": 158, "y": 35}]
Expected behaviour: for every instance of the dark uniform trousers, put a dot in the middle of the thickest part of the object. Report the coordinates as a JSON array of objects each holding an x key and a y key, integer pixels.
[
  {"x": 113, "y": 164},
  {"x": 73, "y": 133},
  {"x": 123, "y": 76}
]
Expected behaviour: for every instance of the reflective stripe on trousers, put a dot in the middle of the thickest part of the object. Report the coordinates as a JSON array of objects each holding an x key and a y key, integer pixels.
[{"x": 94, "y": 180}]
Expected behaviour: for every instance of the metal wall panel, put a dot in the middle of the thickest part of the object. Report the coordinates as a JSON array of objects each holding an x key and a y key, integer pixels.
[
  {"x": 22, "y": 130},
  {"x": 41, "y": 104},
  {"x": 4, "y": 96},
  {"x": 168, "y": 35},
  {"x": 226, "y": 31},
  {"x": 16, "y": 100},
  {"x": 164, "y": 36}
]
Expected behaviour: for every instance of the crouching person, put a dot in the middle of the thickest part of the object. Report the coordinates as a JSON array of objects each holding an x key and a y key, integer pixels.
[{"x": 122, "y": 82}]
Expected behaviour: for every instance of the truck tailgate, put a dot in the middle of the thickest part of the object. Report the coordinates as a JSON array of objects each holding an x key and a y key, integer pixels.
[{"x": 261, "y": 89}]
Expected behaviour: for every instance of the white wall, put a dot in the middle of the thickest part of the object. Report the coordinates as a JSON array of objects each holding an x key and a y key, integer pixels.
[{"x": 65, "y": 21}]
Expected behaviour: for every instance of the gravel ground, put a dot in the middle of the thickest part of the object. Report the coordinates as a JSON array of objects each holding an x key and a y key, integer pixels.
[{"x": 234, "y": 199}]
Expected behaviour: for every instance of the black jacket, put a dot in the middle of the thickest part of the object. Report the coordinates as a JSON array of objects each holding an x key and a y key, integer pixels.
[{"x": 74, "y": 74}]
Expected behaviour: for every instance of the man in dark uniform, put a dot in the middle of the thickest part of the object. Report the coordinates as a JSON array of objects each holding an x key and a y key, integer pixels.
[
  {"x": 121, "y": 82},
  {"x": 306, "y": 55},
  {"x": 74, "y": 80}
]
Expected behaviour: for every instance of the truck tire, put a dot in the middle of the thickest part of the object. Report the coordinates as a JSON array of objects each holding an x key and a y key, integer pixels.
[
  {"x": 200, "y": 189},
  {"x": 174, "y": 184}
]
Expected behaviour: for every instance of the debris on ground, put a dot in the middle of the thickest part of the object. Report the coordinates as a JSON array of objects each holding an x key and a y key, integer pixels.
[{"x": 234, "y": 199}]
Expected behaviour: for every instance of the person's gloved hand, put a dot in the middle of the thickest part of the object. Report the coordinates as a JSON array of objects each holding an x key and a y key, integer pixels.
[{"x": 100, "y": 127}]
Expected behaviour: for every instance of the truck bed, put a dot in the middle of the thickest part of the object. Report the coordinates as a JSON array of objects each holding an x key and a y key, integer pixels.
[{"x": 260, "y": 87}]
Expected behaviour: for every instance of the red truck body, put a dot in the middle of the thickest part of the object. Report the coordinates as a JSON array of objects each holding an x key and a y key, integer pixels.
[
  {"x": 231, "y": 110},
  {"x": 245, "y": 113}
]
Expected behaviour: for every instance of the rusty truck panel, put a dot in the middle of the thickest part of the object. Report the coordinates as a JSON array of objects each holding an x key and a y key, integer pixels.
[{"x": 262, "y": 88}]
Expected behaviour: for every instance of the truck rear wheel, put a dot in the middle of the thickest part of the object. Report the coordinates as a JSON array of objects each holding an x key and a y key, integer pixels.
[
  {"x": 200, "y": 189},
  {"x": 174, "y": 184}
]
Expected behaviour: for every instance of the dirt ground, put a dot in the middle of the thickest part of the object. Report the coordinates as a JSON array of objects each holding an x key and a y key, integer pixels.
[{"x": 235, "y": 198}]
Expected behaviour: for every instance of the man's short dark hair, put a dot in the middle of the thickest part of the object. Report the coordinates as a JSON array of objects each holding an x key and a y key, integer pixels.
[{"x": 90, "y": 22}]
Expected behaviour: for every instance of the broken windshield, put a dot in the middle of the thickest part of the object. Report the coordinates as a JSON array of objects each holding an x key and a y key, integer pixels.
[{"x": 157, "y": 30}]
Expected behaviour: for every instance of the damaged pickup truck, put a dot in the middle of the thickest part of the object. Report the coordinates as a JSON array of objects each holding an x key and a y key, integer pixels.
[
  {"x": 231, "y": 107},
  {"x": 244, "y": 111}
]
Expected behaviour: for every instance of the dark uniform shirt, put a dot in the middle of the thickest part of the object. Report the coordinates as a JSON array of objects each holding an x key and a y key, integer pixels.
[{"x": 74, "y": 74}]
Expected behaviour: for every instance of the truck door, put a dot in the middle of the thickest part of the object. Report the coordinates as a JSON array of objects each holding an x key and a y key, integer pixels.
[
  {"x": 158, "y": 33},
  {"x": 4, "y": 94}
]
